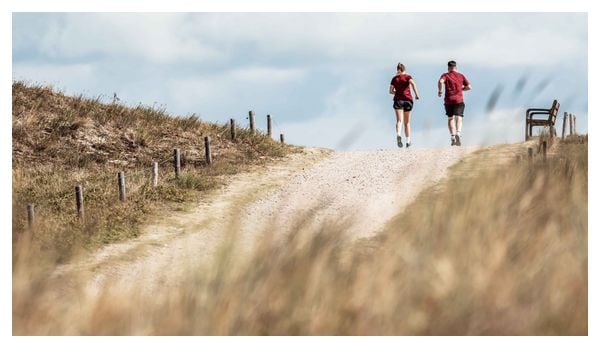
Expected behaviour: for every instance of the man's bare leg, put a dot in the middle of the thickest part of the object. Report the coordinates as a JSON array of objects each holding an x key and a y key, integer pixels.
[
  {"x": 452, "y": 128},
  {"x": 458, "y": 129},
  {"x": 458, "y": 124},
  {"x": 451, "y": 125}
]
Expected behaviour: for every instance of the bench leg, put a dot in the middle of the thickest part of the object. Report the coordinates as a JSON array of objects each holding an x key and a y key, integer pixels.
[{"x": 526, "y": 130}]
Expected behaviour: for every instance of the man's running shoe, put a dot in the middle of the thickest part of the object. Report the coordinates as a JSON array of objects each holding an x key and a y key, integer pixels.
[
  {"x": 399, "y": 138},
  {"x": 457, "y": 140},
  {"x": 453, "y": 140}
]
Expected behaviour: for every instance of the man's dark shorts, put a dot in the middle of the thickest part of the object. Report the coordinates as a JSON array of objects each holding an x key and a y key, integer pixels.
[
  {"x": 405, "y": 105},
  {"x": 455, "y": 109}
]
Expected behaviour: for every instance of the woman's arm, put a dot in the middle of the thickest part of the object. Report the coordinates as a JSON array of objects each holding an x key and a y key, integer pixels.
[
  {"x": 392, "y": 89},
  {"x": 414, "y": 87}
]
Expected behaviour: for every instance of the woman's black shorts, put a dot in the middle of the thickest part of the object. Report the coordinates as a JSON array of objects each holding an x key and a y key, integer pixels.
[
  {"x": 405, "y": 105},
  {"x": 455, "y": 109}
]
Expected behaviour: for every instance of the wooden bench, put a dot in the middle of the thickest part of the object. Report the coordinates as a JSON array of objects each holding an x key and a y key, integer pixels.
[{"x": 530, "y": 122}]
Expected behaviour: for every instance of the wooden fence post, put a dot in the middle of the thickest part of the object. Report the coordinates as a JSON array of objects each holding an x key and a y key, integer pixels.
[
  {"x": 251, "y": 119},
  {"x": 154, "y": 174},
  {"x": 281, "y": 138},
  {"x": 232, "y": 129},
  {"x": 575, "y": 125},
  {"x": 79, "y": 201},
  {"x": 30, "y": 214},
  {"x": 544, "y": 148},
  {"x": 570, "y": 124},
  {"x": 121, "y": 182},
  {"x": 564, "y": 125},
  {"x": 177, "y": 162},
  {"x": 207, "y": 150},
  {"x": 269, "y": 126}
]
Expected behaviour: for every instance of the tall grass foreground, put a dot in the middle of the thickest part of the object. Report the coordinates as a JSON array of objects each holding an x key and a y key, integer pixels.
[{"x": 500, "y": 253}]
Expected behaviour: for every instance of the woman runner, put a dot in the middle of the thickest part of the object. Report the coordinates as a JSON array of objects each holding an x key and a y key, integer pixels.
[{"x": 403, "y": 101}]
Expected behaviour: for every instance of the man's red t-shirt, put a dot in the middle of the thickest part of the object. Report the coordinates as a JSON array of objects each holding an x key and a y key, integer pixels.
[
  {"x": 454, "y": 82},
  {"x": 400, "y": 83}
]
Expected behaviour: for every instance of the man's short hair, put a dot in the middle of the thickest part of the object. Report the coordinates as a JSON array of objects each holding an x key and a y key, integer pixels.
[{"x": 451, "y": 63}]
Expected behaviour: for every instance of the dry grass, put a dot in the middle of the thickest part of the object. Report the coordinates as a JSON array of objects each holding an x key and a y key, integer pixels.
[
  {"x": 61, "y": 141},
  {"x": 504, "y": 252},
  {"x": 500, "y": 252}
]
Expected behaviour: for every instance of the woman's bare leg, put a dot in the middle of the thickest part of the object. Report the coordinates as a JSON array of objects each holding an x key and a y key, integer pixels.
[
  {"x": 407, "y": 124},
  {"x": 399, "y": 116}
]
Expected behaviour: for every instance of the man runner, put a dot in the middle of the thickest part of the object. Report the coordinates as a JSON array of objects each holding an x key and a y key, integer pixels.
[{"x": 455, "y": 83}]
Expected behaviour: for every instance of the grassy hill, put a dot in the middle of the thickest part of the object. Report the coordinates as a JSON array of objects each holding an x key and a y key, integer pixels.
[{"x": 60, "y": 141}]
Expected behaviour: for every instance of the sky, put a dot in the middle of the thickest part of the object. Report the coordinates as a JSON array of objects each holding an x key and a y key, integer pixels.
[{"x": 324, "y": 77}]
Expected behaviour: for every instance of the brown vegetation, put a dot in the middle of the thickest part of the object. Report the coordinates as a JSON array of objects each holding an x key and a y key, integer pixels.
[
  {"x": 61, "y": 141},
  {"x": 502, "y": 251}
]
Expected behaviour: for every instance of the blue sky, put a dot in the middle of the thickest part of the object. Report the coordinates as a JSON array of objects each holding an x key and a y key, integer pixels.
[{"x": 323, "y": 76}]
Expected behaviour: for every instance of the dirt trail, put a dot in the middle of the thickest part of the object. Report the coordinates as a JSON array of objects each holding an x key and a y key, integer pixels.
[{"x": 361, "y": 188}]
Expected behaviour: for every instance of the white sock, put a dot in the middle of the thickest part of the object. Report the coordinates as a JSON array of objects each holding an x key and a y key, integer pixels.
[
  {"x": 458, "y": 133},
  {"x": 399, "y": 133},
  {"x": 408, "y": 140}
]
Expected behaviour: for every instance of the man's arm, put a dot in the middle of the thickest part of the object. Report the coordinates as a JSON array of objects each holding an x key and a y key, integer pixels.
[
  {"x": 392, "y": 89},
  {"x": 440, "y": 85},
  {"x": 466, "y": 84},
  {"x": 414, "y": 86}
]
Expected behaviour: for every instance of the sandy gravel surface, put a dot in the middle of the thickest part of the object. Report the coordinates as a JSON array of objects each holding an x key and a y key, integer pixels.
[{"x": 364, "y": 189}]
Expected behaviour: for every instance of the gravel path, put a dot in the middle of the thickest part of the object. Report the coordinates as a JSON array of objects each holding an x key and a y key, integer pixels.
[{"x": 362, "y": 189}]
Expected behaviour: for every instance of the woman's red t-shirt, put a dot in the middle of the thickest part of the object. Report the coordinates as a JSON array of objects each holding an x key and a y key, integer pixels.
[{"x": 400, "y": 83}]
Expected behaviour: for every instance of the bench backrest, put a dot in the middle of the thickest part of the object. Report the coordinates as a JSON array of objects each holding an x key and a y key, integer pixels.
[{"x": 553, "y": 112}]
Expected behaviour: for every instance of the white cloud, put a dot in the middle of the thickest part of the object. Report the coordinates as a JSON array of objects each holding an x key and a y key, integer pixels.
[
  {"x": 349, "y": 120},
  {"x": 508, "y": 46},
  {"x": 343, "y": 38},
  {"x": 160, "y": 38},
  {"x": 503, "y": 125},
  {"x": 480, "y": 39},
  {"x": 506, "y": 115},
  {"x": 54, "y": 74},
  {"x": 265, "y": 74},
  {"x": 231, "y": 86}
]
